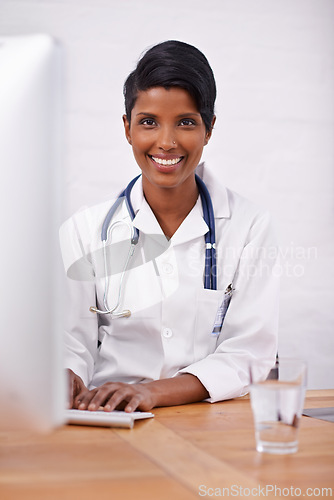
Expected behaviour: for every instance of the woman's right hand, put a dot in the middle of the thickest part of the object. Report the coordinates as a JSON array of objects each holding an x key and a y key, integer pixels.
[{"x": 76, "y": 387}]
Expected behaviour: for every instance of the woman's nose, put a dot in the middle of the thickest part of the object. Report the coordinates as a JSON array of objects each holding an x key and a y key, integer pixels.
[{"x": 166, "y": 138}]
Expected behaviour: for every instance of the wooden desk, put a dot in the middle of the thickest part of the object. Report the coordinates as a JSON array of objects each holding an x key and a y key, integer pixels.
[{"x": 168, "y": 457}]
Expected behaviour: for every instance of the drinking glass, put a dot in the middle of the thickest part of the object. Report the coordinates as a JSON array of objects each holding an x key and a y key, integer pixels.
[{"x": 277, "y": 403}]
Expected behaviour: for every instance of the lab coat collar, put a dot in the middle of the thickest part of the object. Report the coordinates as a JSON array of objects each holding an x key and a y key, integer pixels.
[
  {"x": 144, "y": 219},
  {"x": 194, "y": 225}
]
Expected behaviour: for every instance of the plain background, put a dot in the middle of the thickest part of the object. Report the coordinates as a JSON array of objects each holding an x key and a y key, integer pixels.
[{"x": 273, "y": 141}]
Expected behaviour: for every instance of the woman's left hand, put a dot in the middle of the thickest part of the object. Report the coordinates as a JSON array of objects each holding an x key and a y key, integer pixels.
[{"x": 117, "y": 396}]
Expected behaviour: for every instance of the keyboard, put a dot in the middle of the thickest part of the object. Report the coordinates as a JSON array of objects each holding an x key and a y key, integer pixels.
[{"x": 105, "y": 419}]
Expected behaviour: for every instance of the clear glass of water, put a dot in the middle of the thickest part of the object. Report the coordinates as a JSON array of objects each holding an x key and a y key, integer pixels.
[{"x": 277, "y": 402}]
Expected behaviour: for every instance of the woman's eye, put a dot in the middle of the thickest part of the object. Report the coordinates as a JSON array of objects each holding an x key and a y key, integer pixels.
[
  {"x": 148, "y": 121},
  {"x": 187, "y": 122}
]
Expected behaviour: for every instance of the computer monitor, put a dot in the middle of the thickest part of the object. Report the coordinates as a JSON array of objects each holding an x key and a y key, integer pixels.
[{"x": 32, "y": 382}]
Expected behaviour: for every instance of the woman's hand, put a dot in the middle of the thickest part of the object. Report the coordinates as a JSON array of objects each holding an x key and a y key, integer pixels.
[
  {"x": 184, "y": 388},
  {"x": 76, "y": 388},
  {"x": 117, "y": 396}
]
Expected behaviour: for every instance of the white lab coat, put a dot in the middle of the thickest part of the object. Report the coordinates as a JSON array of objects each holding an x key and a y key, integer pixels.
[{"x": 172, "y": 315}]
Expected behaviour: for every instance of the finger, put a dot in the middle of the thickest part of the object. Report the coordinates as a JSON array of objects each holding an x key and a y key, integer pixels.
[
  {"x": 75, "y": 387},
  {"x": 122, "y": 398},
  {"x": 70, "y": 401},
  {"x": 71, "y": 390},
  {"x": 102, "y": 394},
  {"x": 83, "y": 399},
  {"x": 134, "y": 403}
]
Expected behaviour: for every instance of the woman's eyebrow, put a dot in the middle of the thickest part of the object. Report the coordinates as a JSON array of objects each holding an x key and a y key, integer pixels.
[
  {"x": 146, "y": 114},
  {"x": 182, "y": 115}
]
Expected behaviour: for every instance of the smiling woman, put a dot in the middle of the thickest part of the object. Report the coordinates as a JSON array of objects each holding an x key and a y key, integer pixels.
[
  {"x": 178, "y": 341},
  {"x": 167, "y": 134}
]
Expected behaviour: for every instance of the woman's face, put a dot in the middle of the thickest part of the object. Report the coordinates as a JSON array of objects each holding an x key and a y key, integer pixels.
[{"x": 167, "y": 135}]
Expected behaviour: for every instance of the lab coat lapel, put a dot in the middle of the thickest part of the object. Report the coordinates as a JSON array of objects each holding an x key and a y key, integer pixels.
[
  {"x": 192, "y": 227},
  {"x": 145, "y": 220}
]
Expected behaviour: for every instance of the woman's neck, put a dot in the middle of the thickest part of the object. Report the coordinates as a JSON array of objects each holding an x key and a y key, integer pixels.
[{"x": 171, "y": 205}]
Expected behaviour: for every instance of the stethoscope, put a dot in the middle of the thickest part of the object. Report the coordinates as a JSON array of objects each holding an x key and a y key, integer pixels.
[{"x": 210, "y": 279}]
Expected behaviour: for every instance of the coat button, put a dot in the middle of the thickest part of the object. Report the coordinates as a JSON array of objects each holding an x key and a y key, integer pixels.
[
  {"x": 167, "y": 333},
  {"x": 167, "y": 268}
]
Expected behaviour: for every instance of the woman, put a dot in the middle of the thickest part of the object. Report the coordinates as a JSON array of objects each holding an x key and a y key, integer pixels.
[{"x": 182, "y": 342}]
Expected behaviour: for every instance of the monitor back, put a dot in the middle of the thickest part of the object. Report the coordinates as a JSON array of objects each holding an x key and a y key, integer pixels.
[{"x": 32, "y": 388}]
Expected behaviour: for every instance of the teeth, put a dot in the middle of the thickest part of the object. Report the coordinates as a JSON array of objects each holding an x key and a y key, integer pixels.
[{"x": 167, "y": 162}]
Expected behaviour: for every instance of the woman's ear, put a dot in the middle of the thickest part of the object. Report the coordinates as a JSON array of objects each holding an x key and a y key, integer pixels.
[
  {"x": 127, "y": 129},
  {"x": 209, "y": 133}
]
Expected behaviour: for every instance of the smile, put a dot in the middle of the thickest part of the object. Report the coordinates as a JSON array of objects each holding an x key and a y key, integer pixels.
[{"x": 162, "y": 161}]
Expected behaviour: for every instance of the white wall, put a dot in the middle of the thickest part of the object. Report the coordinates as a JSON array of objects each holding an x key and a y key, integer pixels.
[{"x": 274, "y": 66}]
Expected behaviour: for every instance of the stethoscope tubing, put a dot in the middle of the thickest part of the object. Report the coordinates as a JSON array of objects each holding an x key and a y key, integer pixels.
[
  {"x": 210, "y": 276},
  {"x": 126, "y": 196}
]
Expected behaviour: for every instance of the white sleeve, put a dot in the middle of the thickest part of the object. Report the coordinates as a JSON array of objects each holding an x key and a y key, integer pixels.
[
  {"x": 251, "y": 322},
  {"x": 81, "y": 325}
]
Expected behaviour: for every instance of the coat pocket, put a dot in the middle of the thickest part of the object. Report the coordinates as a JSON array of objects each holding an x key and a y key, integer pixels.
[
  {"x": 207, "y": 306},
  {"x": 211, "y": 308}
]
